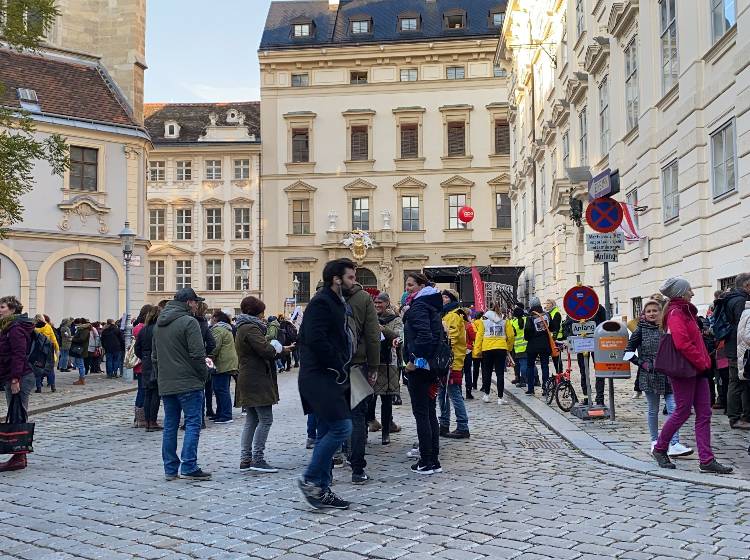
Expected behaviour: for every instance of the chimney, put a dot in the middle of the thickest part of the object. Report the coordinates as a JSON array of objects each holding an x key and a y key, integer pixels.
[{"x": 333, "y": 5}]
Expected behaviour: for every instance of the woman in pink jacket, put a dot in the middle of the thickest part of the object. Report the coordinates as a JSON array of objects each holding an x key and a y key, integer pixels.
[{"x": 681, "y": 321}]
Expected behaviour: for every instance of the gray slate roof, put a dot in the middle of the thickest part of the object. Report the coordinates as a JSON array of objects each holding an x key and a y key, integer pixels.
[
  {"x": 193, "y": 119},
  {"x": 332, "y": 26}
]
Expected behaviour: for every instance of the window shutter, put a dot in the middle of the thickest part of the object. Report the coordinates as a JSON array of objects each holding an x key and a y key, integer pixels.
[
  {"x": 409, "y": 141},
  {"x": 456, "y": 139},
  {"x": 502, "y": 137},
  {"x": 360, "y": 148}
]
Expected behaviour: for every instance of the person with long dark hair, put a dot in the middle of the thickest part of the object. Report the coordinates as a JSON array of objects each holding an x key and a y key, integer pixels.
[
  {"x": 143, "y": 347},
  {"x": 139, "y": 419}
]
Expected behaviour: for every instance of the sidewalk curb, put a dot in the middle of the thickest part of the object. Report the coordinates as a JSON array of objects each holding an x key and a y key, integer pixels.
[
  {"x": 82, "y": 401},
  {"x": 591, "y": 447}
]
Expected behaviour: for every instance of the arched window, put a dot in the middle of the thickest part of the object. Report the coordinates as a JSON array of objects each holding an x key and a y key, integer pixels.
[
  {"x": 368, "y": 280},
  {"x": 83, "y": 270}
]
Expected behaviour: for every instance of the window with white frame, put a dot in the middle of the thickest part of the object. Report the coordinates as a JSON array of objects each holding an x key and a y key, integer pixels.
[
  {"x": 213, "y": 275},
  {"x": 360, "y": 27},
  {"x": 671, "y": 194},
  {"x": 409, "y": 213},
  {"x": 184, "y": 273},
  {"x": 242, "y": 223},
  {"x": 409, "y": 74},
  {"x": 238, "y": 280},
  {"x": 213, "y": 169},
  {"x": 241, "y": 169},
  {"x": 157, "y": 170},
  {"x": 631, "y": 84},
  {"x": 543, "y": 188},
  {"x": 156, "y": 276},
  {"x": 213, "y": 223},
  {"x": 156, "y": 222},
  {"x": 184, "y": 224},
  {"x": 670, "y": 62},
  {"x": 580, "y": 17},
  {"x": 566, "y": 149},
  {"x": 408, "y": 24},
  {"x": 631, "y": 198},
  {"x": 455, "y": 203},
  {"x": 301, "y": 29},
  {"x": 604, "y": 116},
  {"x": 361, "y": 213},
  {"x": 498, "y": 18},
  {"x": 724, "y": 160},
  {"x": 301, "y": 216},
  {"x": 184, "y": 170},
  {"x": 300, "y": 80},
  {"x": 583, "y": 138},
  {"x": 455, "y": 73},
  {"x": 723, "y": 17}
]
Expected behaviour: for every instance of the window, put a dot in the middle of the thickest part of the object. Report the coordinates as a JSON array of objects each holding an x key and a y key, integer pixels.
[
  {"x": 157, "y": 170},
  {"x": 631, "y": 84},
  {"x": 723, "y": 157},
  {"x": 360, "y": 27},
  {"x": 499, "y": 72},
  {"x": 455, "y": 202},
  {"x": 580, "y": 15},
  {"x": 723, "y": 17},
  {"x": 727, "y": 283},
  {"x": 637, "y": 306},
  {"x": 213, "y": 223},
  {"x": 408, "y": 24},
  {"x": 300, "y": 80},
  {"x": 242, "y": 169},
  {"x": 300, "y": 217},
  {"x": 361, "y": 213},
  {"x": 497, "y": 19},
  {"x": 502, "y": 137},
  {"x": 156, "y": 276},
  {"x": 454, "y": 20},
  {"x": 367, "y": 279},
  {"x": 631, "y": 198},
  {"x": 184, "y": 223},
  {"x": 671, "y": 194},
  {"x": 515, "y": 224},
  {"x": 358, "y": 77},
  {"x": 409, "y": 213},
  {"x": 184, "y": 170},
  {"x": 408, "y": 74},
  {"x": 184, "y": 274},
  {"x": 457, "y": 138},
  {"x": 170, "y": 130},
  {"x": 213, "y": 169},
  {"x": 455, "y": 73},
  {"x": 502, "y": 211},
  {"x": 670, "y": 62},
  {"x": 156, "y": 221},
  {"x": 583, "y": 143},
  {"x": 303, "y": 292},
  {"x": 543, "y": 188},
  {"x": 300, "y": 145},
  {"x": 566, "y": 149},
  {"x": 84, "y": 168},
  {"x": 213, "y": 275},
  {"x": 409, "y": 141},
  {"x": 242, "y": 223},
  {"x": 82, "y": 270},
  {"x": 238, "y": 280},
  {"x": 359, "y": 143},
  {"x": 604, "y": 117},
  {"x": 301, "y": 29},
  {"x": 523, "y": 217}
]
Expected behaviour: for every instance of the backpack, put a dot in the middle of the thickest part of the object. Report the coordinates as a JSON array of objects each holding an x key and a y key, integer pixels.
[
  {"x": 290, "y": 332},
  {"x": 280, "y": 335},
  {"x": 40, "y": 351},
  {"x": 441, "y": 362},
  {"x": 722, "y": 326}
]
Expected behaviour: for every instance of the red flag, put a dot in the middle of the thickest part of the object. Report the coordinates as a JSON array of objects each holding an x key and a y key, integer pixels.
[{"x": 478, "y": 290}]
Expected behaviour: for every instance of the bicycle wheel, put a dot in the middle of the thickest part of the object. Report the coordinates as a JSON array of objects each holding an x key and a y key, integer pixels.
[
  {"x": 565, "y": 396},
  {"x": 548, "y": 390}
]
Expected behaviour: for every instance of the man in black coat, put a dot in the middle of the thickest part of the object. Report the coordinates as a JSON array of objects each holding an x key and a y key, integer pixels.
[
  {"x": 326, "y": 345},
  {"x": 738, "y": 394}
]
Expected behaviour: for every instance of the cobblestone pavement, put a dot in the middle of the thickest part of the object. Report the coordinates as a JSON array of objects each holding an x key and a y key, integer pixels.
[
  {"x": 97, "y": 386},
  {"x": 628, "y": 433},
  {"x": 95, "y": 489}
]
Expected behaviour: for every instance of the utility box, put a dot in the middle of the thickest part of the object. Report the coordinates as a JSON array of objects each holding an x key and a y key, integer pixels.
[{"x": 610, "y": 341}]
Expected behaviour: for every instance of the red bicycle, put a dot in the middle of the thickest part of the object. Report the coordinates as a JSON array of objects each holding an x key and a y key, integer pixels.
[{"x": 559, "y": 388}]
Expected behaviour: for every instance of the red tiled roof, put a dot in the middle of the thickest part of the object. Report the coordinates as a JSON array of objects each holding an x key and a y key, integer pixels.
[{"x": 64, "y": 87}]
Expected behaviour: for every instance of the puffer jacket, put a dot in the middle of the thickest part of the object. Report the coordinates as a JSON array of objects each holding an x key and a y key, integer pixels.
[
  {"x": 645, "y": 339},
  {"x": 494, "y": 333},
  {"x": 365, "y": 326},
  {"x": 422, "y": 325},
  {"x": 143, "y": 347},
  {"x": 65, "y": 335},
  {"x": 454, "y": 324},
  {"x": 15, "y": 340},
  {"x": 682, "y": 323},
  {"x": 225, "y": 354}
]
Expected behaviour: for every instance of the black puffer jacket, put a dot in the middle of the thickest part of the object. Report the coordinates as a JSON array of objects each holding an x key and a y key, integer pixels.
[
  {"x": 143, "y": 346},
  {"x": 423, "y": 326},
  {"x": 735, "y": 304},
  {"x": 113, "y": 340}
]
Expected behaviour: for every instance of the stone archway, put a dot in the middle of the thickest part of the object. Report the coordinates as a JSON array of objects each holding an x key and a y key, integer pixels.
[{"x": 23, "y": 271}]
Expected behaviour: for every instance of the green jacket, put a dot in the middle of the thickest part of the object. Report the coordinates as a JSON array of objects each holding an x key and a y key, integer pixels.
[
  {"x": 178, "y": 354},
  {"x": 365, "y": 326},
  {"x": 225, "y": 354}
]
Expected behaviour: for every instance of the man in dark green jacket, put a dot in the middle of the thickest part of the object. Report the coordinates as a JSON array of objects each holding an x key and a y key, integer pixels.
[{"x": 179, "y": 360}]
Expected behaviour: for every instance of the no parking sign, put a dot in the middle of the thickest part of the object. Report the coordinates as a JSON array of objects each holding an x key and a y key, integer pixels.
[{"x": 581, "y": 303}]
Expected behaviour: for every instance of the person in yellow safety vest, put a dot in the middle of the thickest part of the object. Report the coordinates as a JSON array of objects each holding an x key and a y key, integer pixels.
[
  {"x": 555, "y": 327},
  {"x": 495, "y": 338},
  {"x": 519, "y": 345}
]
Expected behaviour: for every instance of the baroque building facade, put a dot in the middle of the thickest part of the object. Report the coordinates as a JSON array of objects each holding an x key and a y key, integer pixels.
[
  {"x": 379, "y": 124},
  {"x": 658, "y": 91},
  {"x": 64, "y": 257},
  {"x": 203, "y": 207}
]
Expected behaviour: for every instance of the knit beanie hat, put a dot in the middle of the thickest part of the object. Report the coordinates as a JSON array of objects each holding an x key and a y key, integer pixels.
[
  {"x": 452, "y": 294},
  {"x": 535, "y": 302},
  {"x": 675, "y": 287}
]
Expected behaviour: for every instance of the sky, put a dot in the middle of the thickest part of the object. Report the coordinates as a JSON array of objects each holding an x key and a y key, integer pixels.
[{"x": 203, "y": 50}]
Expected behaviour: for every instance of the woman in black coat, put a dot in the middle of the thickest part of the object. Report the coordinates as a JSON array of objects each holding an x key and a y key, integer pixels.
[
  {"x": 538, "y": 346},
  {"x": 143, "y": 345},
  {"x": 210, "y": 344}
]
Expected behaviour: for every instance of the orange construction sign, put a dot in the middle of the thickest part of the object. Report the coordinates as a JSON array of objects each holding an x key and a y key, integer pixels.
[{"x": 615, "y": 366}]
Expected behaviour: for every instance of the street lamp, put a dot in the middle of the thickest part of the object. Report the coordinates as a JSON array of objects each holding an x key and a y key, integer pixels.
[
  {"x": 127, "y": 242},
  {"x": 245, "y": 276}
]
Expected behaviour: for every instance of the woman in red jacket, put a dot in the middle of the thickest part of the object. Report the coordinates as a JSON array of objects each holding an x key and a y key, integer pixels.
[{"x": 681, "y": 321}]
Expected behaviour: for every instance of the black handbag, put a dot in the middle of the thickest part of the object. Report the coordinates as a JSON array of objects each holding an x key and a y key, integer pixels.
[
  {"x": 76, "y": 350},
  {"x": 17, "y": 433},
  {"x": 746, "y": 365}
]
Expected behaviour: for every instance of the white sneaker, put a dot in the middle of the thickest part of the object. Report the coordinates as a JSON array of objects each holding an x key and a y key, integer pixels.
[
  {"x": 413, "y": 453},
  {"x": 501, "y": 401},
  {"x": 637, "y": 394},
  {"x": 679, "y": 450},
  {"x": 485, "y": 397},
  {"x": 653, "y": 444}
]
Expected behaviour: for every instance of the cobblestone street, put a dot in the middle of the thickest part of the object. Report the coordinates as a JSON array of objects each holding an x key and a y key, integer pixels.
[{"x": 95, "y": 489}]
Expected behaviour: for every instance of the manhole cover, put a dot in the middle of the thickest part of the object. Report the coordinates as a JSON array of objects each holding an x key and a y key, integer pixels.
[{"x": 541, "y": 444}]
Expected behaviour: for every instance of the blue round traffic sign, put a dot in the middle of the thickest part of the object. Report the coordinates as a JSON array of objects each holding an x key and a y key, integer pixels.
[
  {"x": 604, "y": 215},
  {"x": 581, "y": 303}
]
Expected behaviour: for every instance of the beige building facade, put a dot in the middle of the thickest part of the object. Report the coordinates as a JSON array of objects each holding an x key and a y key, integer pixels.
[
  {"x": 378, "y": 127},
  {"x": 655, "y": 90},
  {"x": 203, "y": 206}
]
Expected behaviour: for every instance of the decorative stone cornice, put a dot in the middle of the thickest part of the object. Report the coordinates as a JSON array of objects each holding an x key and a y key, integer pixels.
[
  {"x": 360, "y": 185},
  {"x": 560, "y": 195},
  {"x": 597, "y": 54},
  {"x": 410, "y": 183},
  {"x": 457, "y": 258},
  {"x": 577, "y": 86},
  {"x": 549, "y": 132},
  {"x": 560, "y": 112},
  {"x": 290, "y": 260},
  {"x": 621, "y": 17},
  {"x": 83, "y": 206},
  {"x": 415, "y": 258},
  {"x": 457, "y": 181},
  {"x": 300, "y": 186},
  {"x": 526, "y": 165},
  {"x": 537, "y": 150}
]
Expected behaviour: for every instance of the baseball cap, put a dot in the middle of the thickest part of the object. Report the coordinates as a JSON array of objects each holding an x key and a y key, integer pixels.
[{"x": 187, "y": 294}]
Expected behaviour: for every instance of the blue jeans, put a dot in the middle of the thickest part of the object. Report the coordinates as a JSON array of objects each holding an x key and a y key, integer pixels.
[
  {"x": 312, "y": 426},
  {"x": 652, "y": 415},
  {"x": 220, "y": 383},
  {"x": 191, "y": 404},
  {"x": 521, "y": 361},
  {"x": 64, "y": 361},
  {"x": 531, "y": 368},
  {"x": 330, "y": 437},
  {"x": 81, "y": 365},
  {"x": 114, "y": 359},
  {"x": 140, "y": 395},
  {"x": 454, "y": 396}
]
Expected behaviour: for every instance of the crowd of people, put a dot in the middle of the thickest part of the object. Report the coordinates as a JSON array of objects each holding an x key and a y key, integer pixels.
[{"x": 355, "y": 349}]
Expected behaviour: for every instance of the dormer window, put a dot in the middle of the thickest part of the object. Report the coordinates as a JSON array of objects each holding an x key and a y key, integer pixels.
[
  {"x": 497, "y": 19},
  {"x": 27, "y": 95},
  {"x": 361, "y": 27},
  {"x": 302, "y": 30},
  {"x": 455, "y": 19},
  {"x": 171, "y": 129},
  {"x": 409, "y": 21}
]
